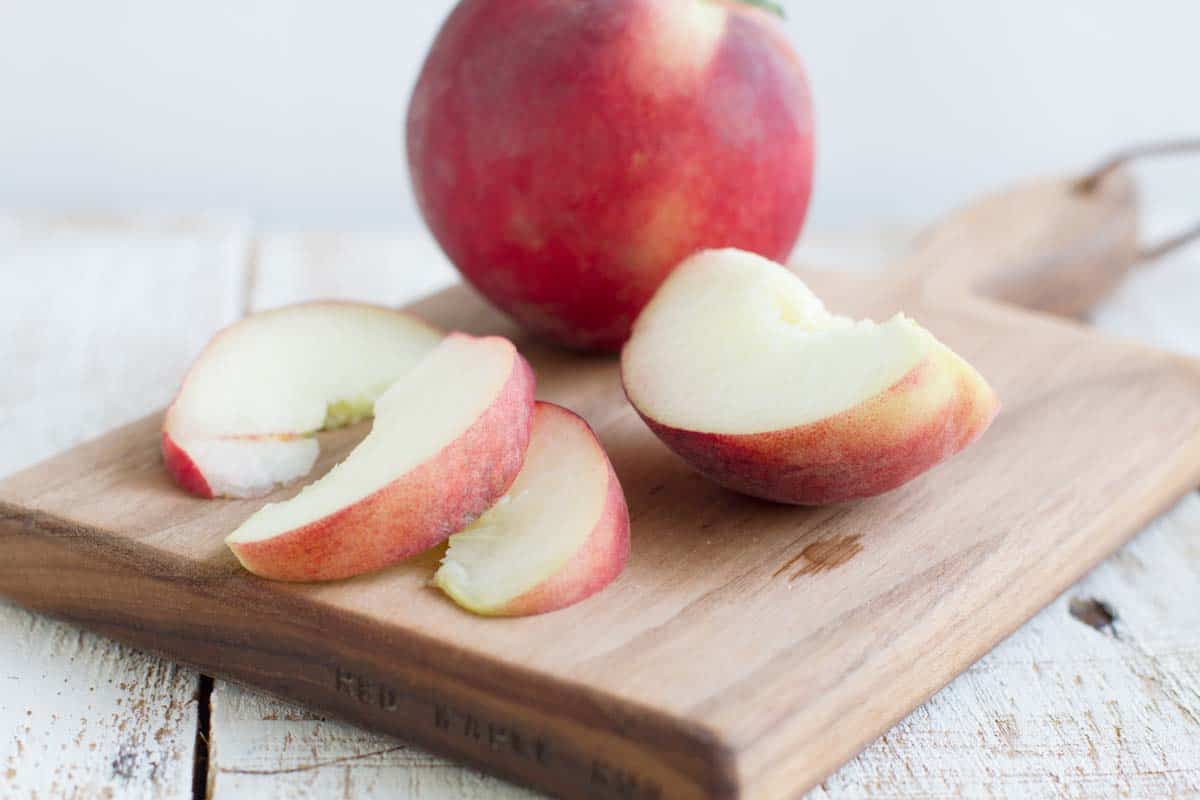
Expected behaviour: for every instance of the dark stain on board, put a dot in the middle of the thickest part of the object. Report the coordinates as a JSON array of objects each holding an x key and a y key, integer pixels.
[{"x": 822, "y": 556}]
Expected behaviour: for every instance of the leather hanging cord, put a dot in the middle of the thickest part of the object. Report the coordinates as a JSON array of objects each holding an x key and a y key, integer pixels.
[{"x": 1152, "y": 150}]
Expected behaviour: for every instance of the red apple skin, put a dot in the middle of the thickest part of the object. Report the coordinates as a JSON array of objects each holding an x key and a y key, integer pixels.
[
  {"x": 865, "y": 451},
  {"x": 418, "y": 510},
  {"x": 568, "y": 156},
  {"x": 594, "y": 566},
  {"x": 183, "y": 469}
]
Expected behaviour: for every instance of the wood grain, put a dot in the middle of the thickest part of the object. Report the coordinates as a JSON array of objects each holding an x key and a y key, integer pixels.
[
  {"x": 267, "y": 747},
  {"x": 1050, "y": 246},
  {"x": 683, "y": 677},
  {"x": 1063, "y": 710},
  {"x": 373, "y": 268},
  {"x": 84, "y": 350},
  {"x": 101, "y": 324},
  {"x": 84, "y": 716}
]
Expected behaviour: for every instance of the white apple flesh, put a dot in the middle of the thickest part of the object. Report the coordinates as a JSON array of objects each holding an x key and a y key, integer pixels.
[
  {"x": 243, "y": 419},
  {"x": 559, "y": 535},
  {"x": 448, "y": 439}
]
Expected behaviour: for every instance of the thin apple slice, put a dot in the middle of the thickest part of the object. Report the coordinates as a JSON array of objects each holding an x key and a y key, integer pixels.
[
  {"x": 560, "y": 535},
  {"x": 740, "y": 370},
  {"x": 448, "y": 440},
  {"x": 242, "y": 421}
]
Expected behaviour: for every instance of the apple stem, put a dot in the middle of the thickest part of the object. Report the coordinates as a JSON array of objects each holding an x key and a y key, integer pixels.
[
  {"x": 774, "y": 8},
  {"x": 1093, "y": 179}
]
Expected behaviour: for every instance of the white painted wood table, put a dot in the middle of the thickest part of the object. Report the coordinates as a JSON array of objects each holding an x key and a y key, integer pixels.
[{"x": 100, "y": 316}]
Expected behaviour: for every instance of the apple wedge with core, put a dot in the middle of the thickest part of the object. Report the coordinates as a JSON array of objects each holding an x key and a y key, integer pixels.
[
  {"x": 242, "y": 421},
  {"x": 560, "y": 535},
  {"x": 741, "y": 371},
  {"x": 448, "y": 440}
]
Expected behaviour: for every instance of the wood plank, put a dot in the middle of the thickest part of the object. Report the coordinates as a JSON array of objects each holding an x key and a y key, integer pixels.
[
  {"x": 378, "y": 268},
  {"x": 84, "y": 716},
  {"x": 266, "y": 747},
  {"x": 100, "y": 316},
  {"x": 701, "y": 671}
]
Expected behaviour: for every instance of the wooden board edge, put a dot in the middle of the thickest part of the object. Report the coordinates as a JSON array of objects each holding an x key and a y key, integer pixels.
[{"x": 562, "y": 738}]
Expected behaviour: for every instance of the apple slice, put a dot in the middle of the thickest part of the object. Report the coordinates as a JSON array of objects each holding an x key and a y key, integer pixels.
[
  {"x": 741, "y": 371},
  {"x": 560, "y": 535},
  {"x": 242, "y": 421},
  {"x": 448, "y": 440}
]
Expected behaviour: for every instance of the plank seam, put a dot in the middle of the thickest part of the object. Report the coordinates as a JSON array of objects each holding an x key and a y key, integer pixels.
[{"x": 201, "y": 779}]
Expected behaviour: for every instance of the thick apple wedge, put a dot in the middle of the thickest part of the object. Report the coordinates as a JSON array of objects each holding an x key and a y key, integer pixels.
[
  {"x": 741, "y": 371},
  {"x": 242, "y": 421},
  {"x": 560, "y": 535},
  {"x": 448, "y": 440}
]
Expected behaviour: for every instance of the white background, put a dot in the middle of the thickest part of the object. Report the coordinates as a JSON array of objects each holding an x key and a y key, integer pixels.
[{"x": 292, "y": 111}]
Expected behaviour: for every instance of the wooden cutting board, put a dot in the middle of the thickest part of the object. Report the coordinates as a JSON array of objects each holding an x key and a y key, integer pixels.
[{"x": 750, "y": 648}]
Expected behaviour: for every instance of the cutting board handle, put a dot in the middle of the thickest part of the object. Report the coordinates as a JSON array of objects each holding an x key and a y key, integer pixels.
[{"x": 1056, "y": 245}]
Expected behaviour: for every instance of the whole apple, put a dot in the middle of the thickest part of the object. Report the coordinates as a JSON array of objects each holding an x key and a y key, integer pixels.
[{"x": 568, "y": 155}]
